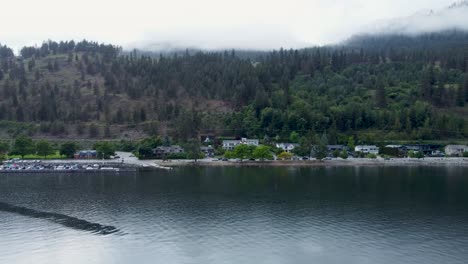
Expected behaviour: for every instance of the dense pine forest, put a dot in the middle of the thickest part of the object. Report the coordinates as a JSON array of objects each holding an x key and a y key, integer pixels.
[{"x": 371, "y": 87}]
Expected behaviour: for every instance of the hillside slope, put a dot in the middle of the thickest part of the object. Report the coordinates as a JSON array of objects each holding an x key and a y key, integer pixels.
[{"x": 381, "y": 90}]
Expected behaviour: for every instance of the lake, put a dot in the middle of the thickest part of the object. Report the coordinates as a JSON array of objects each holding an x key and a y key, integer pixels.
[{"x": 237, "y": 215}]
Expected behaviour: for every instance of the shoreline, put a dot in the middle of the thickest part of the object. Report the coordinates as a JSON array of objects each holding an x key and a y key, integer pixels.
[
  {"x": 135, "y": 164},
  {"x": 320, "y": 163}
]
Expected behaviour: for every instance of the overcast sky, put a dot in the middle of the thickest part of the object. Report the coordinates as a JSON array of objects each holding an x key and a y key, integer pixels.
[{"x": 211, "y": 24}]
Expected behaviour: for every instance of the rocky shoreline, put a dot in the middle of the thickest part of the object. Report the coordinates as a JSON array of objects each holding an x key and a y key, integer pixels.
[{"x": 323, "y": 163}]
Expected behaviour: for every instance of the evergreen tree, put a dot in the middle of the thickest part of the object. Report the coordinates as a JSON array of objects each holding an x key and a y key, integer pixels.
[
  {"x": 460, "y": 96},
  {"x": 427, "y": 84},
  {"x": 23, "y": 146},
  {"x": 68, "y": 149},
  {"x": 380, "y": 95},
  {"x": 465, "y": 87}
]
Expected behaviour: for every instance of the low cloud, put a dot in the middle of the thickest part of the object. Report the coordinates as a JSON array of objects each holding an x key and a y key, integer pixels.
[
  {"x": 453, "y": 17},
  {"x": 265, "y": 37}
]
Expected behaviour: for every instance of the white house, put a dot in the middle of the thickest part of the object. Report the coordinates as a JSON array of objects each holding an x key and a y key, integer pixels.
[
  {"x": 231, "y": 144},
  {"x": 372, "y": 149},
  {"x": 288, "y": 147},
  {"x": 455, "y": 150}
]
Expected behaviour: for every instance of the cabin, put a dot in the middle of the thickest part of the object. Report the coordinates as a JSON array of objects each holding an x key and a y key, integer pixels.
[
  {"x": 427, "y": 149},
  {"x": 368, "y": 149},
  {"x": 208, "y": 151},
  {"x": 455, "y": 150},
  {"x": 162, "y": 152},
  {"x": 86, "y": 154},
  {"x": 231, "y": 144},
  {"x": 394, "y": 150},
  {"x": 287, "y": 147},
  {"x": 333, "y": 148}
]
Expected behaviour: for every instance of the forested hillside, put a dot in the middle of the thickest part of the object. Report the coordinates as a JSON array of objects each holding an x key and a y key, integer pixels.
[{"x": 375, "y": 88}]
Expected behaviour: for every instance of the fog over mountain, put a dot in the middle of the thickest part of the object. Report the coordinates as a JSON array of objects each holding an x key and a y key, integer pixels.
[
  {"x": 449, "y": 18},
  {"x": 161, "y": 25},
  {"x": 264, "y": 37},
  {"x": 453, "y": 17}
]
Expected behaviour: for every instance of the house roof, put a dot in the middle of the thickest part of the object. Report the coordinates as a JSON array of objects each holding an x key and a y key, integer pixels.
[
  {"x": 287, "y": 144},
  {"x": 456, "y": 146},
  {"x": 393, "y": 146}
]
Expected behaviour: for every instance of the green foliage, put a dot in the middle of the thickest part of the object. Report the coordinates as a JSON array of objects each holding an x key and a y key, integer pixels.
[
  {"x": 4, "y": 147},
  {"x": 351, "y": 143},
  {"x": 384, "y": 87},
  {"x": 104, "y": 149},
  {"x": 55, "y": 155},
  {"x": 343, "y": 154},
  {"x": 23, "y": 145},
  {"x": 415, "y": 154},
  {"x": 15, "y": 128},
  {"x": 304, "y": 148},
  {"x": 243, "y": 151},
  {"x": 465, "y": 154},
  {"x": 285, "y": 155},
  {"x": 336, "y": 153},
  {"x": 294, "y": 137},
  {"x": 68, "y": 149},
  {"x": 126, "y": 145},
  {"x": 44, "y": 148},
  {"x": 371, "y": 156},
  {"x": 320, "y": 149},
  {"x": 146, "y": 146},
  {"x": 392, "y": 152},
  {"x": 192, "y": 149},
  {"x": 262, "y": 152},
  {"x": 144, "y": 151},
  {"x": 229, "y": 155}
]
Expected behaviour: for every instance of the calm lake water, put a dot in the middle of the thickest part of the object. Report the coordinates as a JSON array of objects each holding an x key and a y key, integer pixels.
[{"x": 237, "y": 215}]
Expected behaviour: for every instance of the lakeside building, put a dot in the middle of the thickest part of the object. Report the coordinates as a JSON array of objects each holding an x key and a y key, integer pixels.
[
  {"x": 209, "y": 151},
  {"x": 287, "y": 147},
  {"x": 231, "y": 144},
  {"x": 162, "y": 152},
  {"x": 394, "y": 150},
  {"x": 86, "y": 154},
  {"x": 369, "y": 149},
  {"x": 332, "y": 148},
  {"x": 455, "y": 150},
  {"x": 427, "y": 149}
]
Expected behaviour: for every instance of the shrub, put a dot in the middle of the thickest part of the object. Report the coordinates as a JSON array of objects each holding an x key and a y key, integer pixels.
[
  {"x": 228, "y": 155},
  {"x": 262, "y": 152},
  {"x": 415, "y": 154},
  {"x": 285, "y": 155},
  {"x": 344, "y": 154},
  {"x": 371, "y": 156},
  {"x": 104, "y": 149}
]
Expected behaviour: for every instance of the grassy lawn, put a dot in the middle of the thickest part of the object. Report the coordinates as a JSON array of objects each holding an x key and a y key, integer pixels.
[{"x": 37, "y": 157}]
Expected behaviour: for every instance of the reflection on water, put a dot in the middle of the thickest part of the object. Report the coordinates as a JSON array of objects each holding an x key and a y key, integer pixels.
[
  {"x": 238, "y": 215},
  {"x": 62, "y": 219}
]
